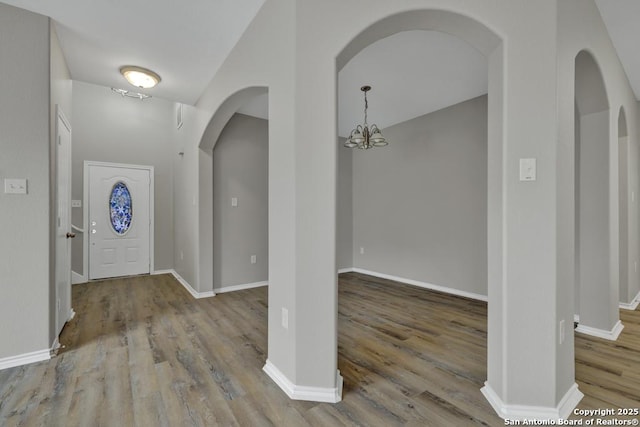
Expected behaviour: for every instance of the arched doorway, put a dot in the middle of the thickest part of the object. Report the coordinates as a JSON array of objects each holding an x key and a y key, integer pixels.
[
  {"x": 210, "y": 137},
  {"x": 428, "y": 188},
  {"x": 241, "y": 203},
  {"x": 418, "y": 207},
  {"x": 596, "y": 240},
  {"x": 491, "y": 46},
  {"x": 628, "y": 266}
]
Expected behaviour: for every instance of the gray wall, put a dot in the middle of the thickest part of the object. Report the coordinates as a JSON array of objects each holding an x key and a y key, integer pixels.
[
  {"x": 185, "y": 197},
  {"x": 24, "y": 153},
  {"x": 344, "y": 224},
  {"x": 110, "y": 128},
  {"x": 420, "y": 204},
  {"x": 240, "y": 162}
]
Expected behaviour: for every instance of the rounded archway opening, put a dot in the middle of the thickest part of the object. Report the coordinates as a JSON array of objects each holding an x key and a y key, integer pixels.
[
  {"x": 370, "y": 213},
  {"x": 234, "y": 195},
  {"x": 593, "y": 238},
  {"x": 429, "y": 97}
]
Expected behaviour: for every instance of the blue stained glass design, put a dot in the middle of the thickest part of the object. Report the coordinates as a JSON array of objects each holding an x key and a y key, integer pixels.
[{"x": 120, "y": 208}]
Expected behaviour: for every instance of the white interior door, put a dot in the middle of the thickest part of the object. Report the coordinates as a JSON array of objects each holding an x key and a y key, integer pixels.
[
  {"x": 120, "y": 220},
  {"x": 63, "y": 222}
]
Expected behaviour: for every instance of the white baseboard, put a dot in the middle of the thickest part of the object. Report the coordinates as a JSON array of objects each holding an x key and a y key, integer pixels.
[
  {"x": 77, "y": 278},
  {"x": 522, "y": 412},
  {"x": 631, "y": 305},
  {"x": 296, "y": 392},
  {"x": 26, "y": 358},
  {"x": 186, "y": 284},
  {"x": 611, "y": 335},
  {"x": 239, "y": 287},
  {"x": 425, "y": 285}
]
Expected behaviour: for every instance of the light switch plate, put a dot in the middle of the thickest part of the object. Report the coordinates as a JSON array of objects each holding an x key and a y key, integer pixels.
[
  {"x": 76, "y": 203},
  {"x": 527, "y": 169},
  {"x": 234, "y": 202},
  {"x": 15, "y": 186}
]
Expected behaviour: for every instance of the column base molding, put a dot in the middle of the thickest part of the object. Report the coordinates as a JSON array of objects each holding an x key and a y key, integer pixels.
[
  {"x": 611, "y": 335},
  {"x": 298, "y": 392},
  {"x": 523, "y": 412}
]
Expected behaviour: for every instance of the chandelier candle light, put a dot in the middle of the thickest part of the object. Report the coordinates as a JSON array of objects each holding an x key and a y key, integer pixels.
[{"x": 362, "y": 137}]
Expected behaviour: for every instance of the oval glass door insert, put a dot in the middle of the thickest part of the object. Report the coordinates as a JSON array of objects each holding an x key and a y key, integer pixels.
[{"x": 120, "y": 208}]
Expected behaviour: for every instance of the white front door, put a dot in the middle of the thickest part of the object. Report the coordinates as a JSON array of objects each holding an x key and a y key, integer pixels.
[
  {"x": 120, "y": 213},
  {"x": 63, "y": 222}
]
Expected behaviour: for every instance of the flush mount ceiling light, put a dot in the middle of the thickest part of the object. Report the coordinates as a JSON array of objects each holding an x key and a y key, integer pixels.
[
  {"x": 140, "y": 77},
  {"x": 362, "y": 136}
]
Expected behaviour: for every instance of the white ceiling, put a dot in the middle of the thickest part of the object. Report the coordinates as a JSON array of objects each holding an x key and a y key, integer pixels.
[
  {"x": 184, "y": 42},
  {"x": 412, "y": 73}
]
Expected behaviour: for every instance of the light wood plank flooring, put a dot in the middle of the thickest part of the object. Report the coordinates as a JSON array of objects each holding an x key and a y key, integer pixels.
[{"x": 141, "y": 351}]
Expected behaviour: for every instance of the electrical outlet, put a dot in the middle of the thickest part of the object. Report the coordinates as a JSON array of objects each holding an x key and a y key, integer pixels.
[
  {"x": 361, "y": 250},
  {"x": 253, "y": 259},
  {"x": 285, "y": 318}
]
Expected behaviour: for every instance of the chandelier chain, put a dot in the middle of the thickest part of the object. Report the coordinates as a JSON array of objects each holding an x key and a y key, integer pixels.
[{"x": 366, "y": 106}]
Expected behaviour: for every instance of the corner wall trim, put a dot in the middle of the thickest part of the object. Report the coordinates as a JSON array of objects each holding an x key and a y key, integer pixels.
[
  {"x": 631, "y": 305},
  {"x": 239, "y": 287},
  {"x": 26, "y": 358},
  {"x": 522, "y": 412},
  {"x": 297, "y": 392},
  {"x": 55, "y": 346},
  {"x": 611, "y": 335},
  {"x": 418, "y": 283},
  {"x": 345, "y": 270},
  {"x": 77, "y": 278},
  {"x": 185, "y": 284}
]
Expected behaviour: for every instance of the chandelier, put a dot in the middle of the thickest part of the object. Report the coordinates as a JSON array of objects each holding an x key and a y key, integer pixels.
[{"x": 362, "y": 136}]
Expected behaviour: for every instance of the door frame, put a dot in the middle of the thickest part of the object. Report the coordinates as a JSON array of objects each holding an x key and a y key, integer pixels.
[
  {"x": 60, "y": 322},
  {"x": 85, "y": 211}
]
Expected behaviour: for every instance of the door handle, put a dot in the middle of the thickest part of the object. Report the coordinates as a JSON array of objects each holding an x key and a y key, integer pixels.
[{"x": 71, "y": 235}]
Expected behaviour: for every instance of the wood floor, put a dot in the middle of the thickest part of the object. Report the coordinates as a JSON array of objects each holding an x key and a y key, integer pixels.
[{"x": 142, "y": 351}]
